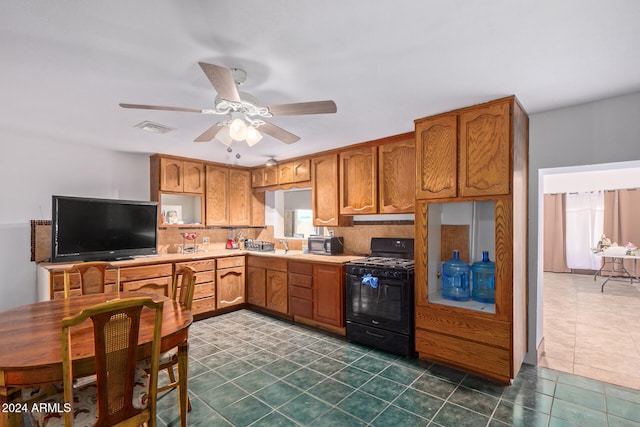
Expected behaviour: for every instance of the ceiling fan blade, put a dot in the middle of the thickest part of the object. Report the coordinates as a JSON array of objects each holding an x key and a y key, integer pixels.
[
  {"x": 318, "y": 107},
  {"x": 222, "y": 81},
  {"x": 210, "y": 133},
  {"x": 279, "y": 133},
  {"x": 159, "y": 107}
]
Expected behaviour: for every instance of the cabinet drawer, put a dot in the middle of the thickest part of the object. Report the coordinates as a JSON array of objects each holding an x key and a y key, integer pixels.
[
  {"x": 74, "y": 280},
  {"x": 476, "y": 357},
  {"x": 158, "y": 286},
  {"x": 205, "y": 277},
  {"x": 209, "y": 264},
  {"x": 480, "y": 330},
  {"x": 75, "y": 292},
  {"x": 300, "y": 307},
  {"x": 236, "y": 261},
  {"x": 128, "y": 274},
  {"x": 203, "y": 305},
  {"x": 303, "y": 280},
  {"x": 301, "y": 267},
  {"x": 204, "y": 291},
  {"x": 299, "y": 292},
  {"x": 269, "y": 263}
]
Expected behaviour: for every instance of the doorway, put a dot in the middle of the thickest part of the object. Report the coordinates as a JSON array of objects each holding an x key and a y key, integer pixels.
[{"x": 588, "y": 332}]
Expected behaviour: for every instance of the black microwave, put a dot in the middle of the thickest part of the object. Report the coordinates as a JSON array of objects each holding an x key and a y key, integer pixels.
[{"x": 321, "y": 245}]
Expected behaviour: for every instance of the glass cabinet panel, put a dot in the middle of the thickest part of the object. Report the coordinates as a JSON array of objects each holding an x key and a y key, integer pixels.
[
  {"x": 468, "y": 228},
  {"x": 177, "y": 209}
]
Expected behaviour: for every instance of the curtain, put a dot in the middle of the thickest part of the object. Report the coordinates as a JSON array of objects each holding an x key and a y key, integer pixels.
[
  {"x": 553, "y": 252},
  {"x": 621, "y": 223},
  {"x": 584, "y": 226}
]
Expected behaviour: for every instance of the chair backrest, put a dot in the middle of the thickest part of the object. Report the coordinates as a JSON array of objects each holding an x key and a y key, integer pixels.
[
  {"x": 92, "y": 277},
  {"x": 116, "y": 327},
  {"x": 184, "y": 282}
]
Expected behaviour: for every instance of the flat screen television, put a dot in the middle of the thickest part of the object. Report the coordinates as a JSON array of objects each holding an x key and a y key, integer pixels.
[{"x": 90, "y": 229}]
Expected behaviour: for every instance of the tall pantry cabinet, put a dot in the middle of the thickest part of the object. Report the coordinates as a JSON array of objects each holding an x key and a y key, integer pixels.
[{"x": 471, "y": 196}]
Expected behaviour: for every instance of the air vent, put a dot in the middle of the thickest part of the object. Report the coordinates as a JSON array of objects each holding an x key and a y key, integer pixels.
[{"x": 154, "y": 127}]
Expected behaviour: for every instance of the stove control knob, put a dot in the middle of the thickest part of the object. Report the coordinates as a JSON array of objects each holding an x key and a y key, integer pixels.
[
  {"x": 388, "y": 273},
  {"x": 361, "y": 271}
]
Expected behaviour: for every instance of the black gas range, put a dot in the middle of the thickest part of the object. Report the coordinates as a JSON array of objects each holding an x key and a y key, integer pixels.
[{"x": 379, "y": 296}]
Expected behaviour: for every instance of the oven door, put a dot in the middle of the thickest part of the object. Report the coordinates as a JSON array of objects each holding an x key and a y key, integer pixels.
[{"x": 386, "y": 306}]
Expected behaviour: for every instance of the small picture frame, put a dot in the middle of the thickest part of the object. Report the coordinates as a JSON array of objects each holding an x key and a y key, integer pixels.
[{"x": 172, "y": 214}]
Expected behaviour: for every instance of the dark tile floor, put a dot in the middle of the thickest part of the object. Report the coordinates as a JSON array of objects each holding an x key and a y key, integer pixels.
[{"x": 247, "y": 369}]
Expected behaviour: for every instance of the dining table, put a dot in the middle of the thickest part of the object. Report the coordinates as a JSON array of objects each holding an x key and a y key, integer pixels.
[{"x": 30, "y": 345}]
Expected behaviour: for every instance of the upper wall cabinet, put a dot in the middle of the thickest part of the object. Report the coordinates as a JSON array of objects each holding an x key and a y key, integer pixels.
[
  {"x": 294, "y": 171},
  {"x": 264, "y": 176},
  {"x": 181, "y": 176},
  {"x": 229, "y": 200},
  {"x": 324, "y": 191},
  {"x": 178, "y": 185},
  {"x": 396, "y": 175},
  {"x": 464, "y": 153},
  {"x": 358, "y": 181}
]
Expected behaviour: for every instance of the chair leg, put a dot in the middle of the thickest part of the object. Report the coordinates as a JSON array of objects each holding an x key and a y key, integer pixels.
[{"x": 172, "y": 375}]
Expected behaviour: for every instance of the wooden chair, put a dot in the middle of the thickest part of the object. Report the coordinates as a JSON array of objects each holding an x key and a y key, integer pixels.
[
  {"x": 183, "y": 287},
  {"x": 123, "y": 395},
  {"x": 92, "y": 277}
]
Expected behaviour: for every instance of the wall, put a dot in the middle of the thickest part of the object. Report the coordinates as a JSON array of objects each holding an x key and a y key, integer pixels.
[
  {"x": 34, "y": 169},
  {"x": 605, "y": 131}
]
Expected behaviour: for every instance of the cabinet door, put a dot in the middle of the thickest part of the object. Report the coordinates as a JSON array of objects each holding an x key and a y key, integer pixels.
[
  {"x": 256, "y": 286},
  {"x": 193, "y": 177},
  {"x": 239, "y": 197},
  {"x": 324, "y": 190},
  {"x": 436, "y": 157},
  {"x": 328, "y": 294},
  {"x": 216, "y": 209},
  {"x": 396, "y": 165},
  {"x": 171, "y": 175},
  {"x": 230, "y": 283},
  {"x": 294, "y": 171},
  {"x": 485, "y": 151},
  {"x": 277, "y": 291},
  {"x": 358, "y": 181}
]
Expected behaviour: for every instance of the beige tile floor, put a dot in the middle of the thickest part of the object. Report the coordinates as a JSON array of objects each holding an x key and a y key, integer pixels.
[{"x": 592, "y": 333}]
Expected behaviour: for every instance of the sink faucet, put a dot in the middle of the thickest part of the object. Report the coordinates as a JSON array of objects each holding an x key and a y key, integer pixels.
[{"x": 285, "y": 244}]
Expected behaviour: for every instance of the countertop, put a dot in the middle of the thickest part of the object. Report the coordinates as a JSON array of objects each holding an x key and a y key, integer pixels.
[{"x": 218, "y": 253}]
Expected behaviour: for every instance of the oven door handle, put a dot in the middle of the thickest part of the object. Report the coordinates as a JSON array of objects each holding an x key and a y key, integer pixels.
[{"x": 373, "y": 335}]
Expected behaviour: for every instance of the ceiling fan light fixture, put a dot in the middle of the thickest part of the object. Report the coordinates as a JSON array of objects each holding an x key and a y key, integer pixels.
[
  {"x": 253, "y": 136},
  {"x": 224, "y": 136},
  {"x": 238, "y": 130},
  {"x": 271, "y": 162}
]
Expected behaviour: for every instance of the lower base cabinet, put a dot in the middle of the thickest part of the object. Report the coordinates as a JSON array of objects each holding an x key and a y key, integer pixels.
[
  {"x": 230, "y": 276},
  {"x": 328, "y": 294},
  {"x": 204, "y": 293},
  {"x": 267, "y": 283}
]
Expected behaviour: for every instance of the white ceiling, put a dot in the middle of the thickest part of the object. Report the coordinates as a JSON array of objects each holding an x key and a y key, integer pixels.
[{"x": 66, "y": 64}]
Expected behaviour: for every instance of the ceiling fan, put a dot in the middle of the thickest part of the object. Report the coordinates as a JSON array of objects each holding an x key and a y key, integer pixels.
[{"x": 244, "y": 114}]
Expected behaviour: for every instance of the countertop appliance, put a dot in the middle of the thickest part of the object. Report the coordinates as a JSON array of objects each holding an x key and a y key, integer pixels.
[
  {"x": 379, "y": 297},
  {"x": 321, "y": 245}
]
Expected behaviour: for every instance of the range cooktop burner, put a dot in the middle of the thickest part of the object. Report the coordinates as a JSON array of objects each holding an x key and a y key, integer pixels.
[{"x": 386, "y": 262}]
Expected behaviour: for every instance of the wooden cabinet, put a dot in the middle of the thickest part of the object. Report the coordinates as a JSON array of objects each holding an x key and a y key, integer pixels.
[
  {"x": 264, "y": 176},
  {"x": 230, "y": 278},
  {"x": 177, "y": 185},
  {"x": 229, "y": 200},
  {"x": 324, "y": 191},
  {"x": 267, "y": 283},
  {"x": 464, "y": 153},
  {"x": 300, "y": 289},
  {"x": 155, "y": 279},
  {"x": 204, "y": 294},
  {"x": 396, "y": 176},
  {"x": 328, "y": 294},
  {"x": 294, "y": 171},
  {"x": 181, "y": 176},
  {"x": 483, "y": 338},
  {"x": 358, "y": 181}
]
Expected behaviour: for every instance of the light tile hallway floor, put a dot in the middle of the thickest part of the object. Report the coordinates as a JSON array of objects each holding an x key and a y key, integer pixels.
[
  {"x": 247, "y": 369},
  {"x": 592, "y": 333}
]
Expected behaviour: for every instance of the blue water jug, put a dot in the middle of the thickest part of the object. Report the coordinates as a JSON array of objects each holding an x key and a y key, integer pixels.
[
  {"x": 482, "y": 279},
  {"x": 455, "y": 279}
]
